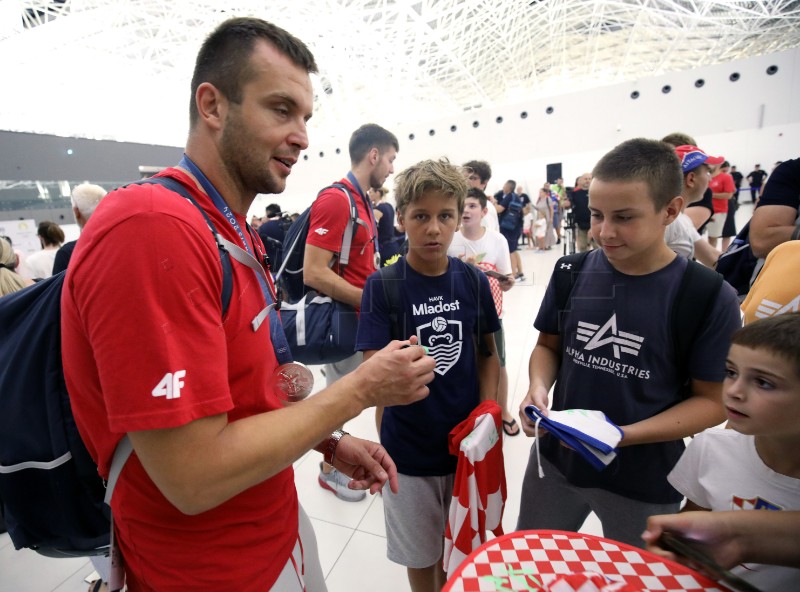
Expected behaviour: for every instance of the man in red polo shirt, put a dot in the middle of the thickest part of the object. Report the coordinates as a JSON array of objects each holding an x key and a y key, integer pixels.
[
  {"x": 372, "y": 153},
  {"x": 722, "y": 187},
  {"x": 207, "y": 499}
]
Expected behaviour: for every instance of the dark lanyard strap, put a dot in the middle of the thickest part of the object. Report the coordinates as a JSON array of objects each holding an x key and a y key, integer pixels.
[
  {"x": 368, "y": 206},
  {"x": 277, "y": 336}
]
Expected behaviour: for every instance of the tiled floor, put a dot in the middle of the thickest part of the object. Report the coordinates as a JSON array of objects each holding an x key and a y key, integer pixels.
[{"x": 351, "y": 536}]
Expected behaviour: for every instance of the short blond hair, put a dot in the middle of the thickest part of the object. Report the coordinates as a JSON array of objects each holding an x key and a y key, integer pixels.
[
  {"x": 10, "y": 281},
  {"x": 430, "y": 175}
]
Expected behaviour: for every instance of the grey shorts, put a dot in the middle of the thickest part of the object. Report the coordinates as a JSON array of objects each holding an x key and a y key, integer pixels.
[
  {"x": 715, "y": 225},
  {"x": 334, "y": 372},
  {"x": 500, "y": 343},
  {"x": 416, "y": 518}
]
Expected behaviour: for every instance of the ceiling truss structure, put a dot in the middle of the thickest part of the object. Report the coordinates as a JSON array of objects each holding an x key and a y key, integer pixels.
[{"x": 120, "y": 69}]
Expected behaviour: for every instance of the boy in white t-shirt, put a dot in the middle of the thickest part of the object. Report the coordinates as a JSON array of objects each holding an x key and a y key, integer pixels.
[
  {"x": 488, "y": 250},
  {"x": 756, "y": 464}
]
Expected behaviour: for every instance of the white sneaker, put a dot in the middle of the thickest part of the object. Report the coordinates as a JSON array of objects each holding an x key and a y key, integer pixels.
[{"x": 336, "y": 482}]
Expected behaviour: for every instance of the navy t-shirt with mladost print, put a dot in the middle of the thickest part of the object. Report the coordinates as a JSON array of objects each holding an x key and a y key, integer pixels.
[
  {"x": 442, "y": 312},
  {"x": 618, "y": 356}
]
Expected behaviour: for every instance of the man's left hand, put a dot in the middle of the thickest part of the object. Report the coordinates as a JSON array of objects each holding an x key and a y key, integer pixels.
[{"x": 367, "y": 463}]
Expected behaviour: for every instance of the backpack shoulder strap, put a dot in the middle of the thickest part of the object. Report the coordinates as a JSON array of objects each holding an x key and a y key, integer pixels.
[
  {"x": 565, "y": 274},
  {"x": 390, "y": 280},
  {"x": 288, "y": 250},
  {"x": 350, "y": 229},
  {"x": 124, "y": 447},
  {"x": 227, "y": 272},
  {"x": 697, "y": 293}
]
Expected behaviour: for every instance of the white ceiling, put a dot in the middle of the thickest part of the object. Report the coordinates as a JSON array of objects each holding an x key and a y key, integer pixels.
[{"x": 120, "y": 69}]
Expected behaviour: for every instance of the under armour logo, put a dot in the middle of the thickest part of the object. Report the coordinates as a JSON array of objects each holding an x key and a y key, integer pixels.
[
  {"x": 596, "y": 336},
  {"x": 566, "y": 266}
]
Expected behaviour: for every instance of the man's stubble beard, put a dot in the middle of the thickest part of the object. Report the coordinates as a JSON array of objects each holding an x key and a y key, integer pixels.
[{"x": 246, "y": 171}]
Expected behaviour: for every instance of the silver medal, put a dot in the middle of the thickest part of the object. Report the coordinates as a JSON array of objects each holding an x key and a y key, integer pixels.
[{"x": 293, "y": 382}]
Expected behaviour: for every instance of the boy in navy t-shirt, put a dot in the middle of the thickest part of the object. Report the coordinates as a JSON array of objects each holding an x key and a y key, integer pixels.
[
  {"x": 450, "y": 311},
  {"x": 612, "y": 350}
]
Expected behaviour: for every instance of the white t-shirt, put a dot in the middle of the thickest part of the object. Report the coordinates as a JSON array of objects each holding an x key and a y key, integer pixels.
[
  {"x": 39, "y": 264},
  {"x": 527, "y": 220},
  {"x": 491, "y": 248},
  {"x": 490, "y": 220},
  {"x": 490, "y": 252},
  {"x": 681, "y": 235},
  {"x": 721, "y": 470}
]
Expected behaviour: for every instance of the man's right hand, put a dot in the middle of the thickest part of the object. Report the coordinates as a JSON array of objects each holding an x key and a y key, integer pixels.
[
  {"x": 396, "y": 375},
  {"x": 537, "y": 396},
  {"x": 712, "y": 528}
]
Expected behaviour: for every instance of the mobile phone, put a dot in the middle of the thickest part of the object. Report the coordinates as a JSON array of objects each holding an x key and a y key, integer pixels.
[
  {"x": 700, "y": 560},
  {"x": 496, "y": 275}
]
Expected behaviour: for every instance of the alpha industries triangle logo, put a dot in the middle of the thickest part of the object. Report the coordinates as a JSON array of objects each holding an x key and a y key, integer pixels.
[{"x": 621, "y": 342}]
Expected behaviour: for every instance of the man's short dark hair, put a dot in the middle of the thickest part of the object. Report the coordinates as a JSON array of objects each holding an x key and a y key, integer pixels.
[
  {"x": 513, "y": 184},
  {"x": 480, "y": 168},
  {"x": 369, "y": 136},
  {"x": 476, "y": 193},
  {"x": 224, "y": 57},
  {"x": 273, "y": 210},
  {"x": 649, "y": 161},
  {"x": 778, "y": 334}
]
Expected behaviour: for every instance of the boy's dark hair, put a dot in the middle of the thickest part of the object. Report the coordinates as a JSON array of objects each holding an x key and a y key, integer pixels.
[
  {"x": 650, "y": 161},
  {"x": 679, "y": 139},
  {"x": 513, "y": 184},
  {"x": 725, "y": 164},
  {"x": 369, "y": 136},
  {"x": 224, "y": 57},
  {"x": 476, "y": 193},
  {"x": 480, "y": 168},
  {"x": 778, "y": 334},
  {"x": 50, "y": 232},
  {"x": 430, "y": 175},
  {"x": 273, "y": 210}
]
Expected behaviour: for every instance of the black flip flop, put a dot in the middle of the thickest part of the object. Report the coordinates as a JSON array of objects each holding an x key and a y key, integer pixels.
[{"x": 508, "y": 426}]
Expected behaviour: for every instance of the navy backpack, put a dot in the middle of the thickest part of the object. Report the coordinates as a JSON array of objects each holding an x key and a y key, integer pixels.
[
  {"x": 319, "y": 329},
  {"x": 52, "y": 495}
]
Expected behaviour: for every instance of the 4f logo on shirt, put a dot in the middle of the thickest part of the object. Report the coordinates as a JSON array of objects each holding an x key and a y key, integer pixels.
[
  {"x": 596, "y": 336},
  {"x": 170, "y": 386},
  {"x": 321, "y": 231}
]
